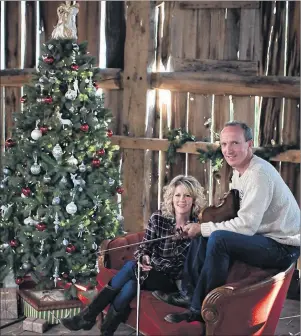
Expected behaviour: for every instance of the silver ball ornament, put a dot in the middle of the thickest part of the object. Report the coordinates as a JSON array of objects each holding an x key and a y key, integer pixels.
[
  {"x": 56, "y": 200},
  {"x": 111, "y": 181},
  {"x": 82, "y": 168},
  {"x": 35, "y": 169},
  {"x": 2, "y": 185},
  {"x": 72, "y": 161},
  {"x": 46, "y": 179},
  {"x": 71, "y": 208},
  {"x": 27, "y": 266},
  {"x": 6, "y": 171},
  {"x": 57, "y": 152}
]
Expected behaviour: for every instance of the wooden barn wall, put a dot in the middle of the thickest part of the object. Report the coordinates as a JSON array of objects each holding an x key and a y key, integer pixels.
[
  {"x": 185, "y": 34},
  {"x": 280, "y": 118},
  {"x": 199, "y": 34},
  {"x": 291, "y": 119}
]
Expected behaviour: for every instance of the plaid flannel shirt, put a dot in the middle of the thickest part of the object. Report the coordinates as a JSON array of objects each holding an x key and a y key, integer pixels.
[{"x": 166, "y": 255}]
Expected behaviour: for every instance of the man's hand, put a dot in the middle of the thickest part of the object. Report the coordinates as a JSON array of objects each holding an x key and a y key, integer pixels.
[
  {"x": 145, "y": 263},
  {"x": 192, "y": 230}
]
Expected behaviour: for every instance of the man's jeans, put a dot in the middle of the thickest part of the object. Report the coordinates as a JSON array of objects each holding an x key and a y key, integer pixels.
[{"x": 209, "y": 259}]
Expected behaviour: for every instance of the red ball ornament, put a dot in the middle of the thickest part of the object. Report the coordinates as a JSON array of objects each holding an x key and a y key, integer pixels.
[
  {"x": 48, "y": 100},
  {"x": 9, "y": 143},
  {"x": 65, "y": 275},
  {"x": 26, "y": 191},
  {"x": 96, "y": 85},
  {"x": 74, "y": 67},
  {"x": 23, "y": 99},
  {"x": 44, "y": 129},
  {"x": 41, "y": 226},
  {"x": 14, "y": 243},
  {"x": 109, "y": 133},
  {"x": 96, "y": 163},
  {"x": 101, "y": 152},
  {"x": 19, "y": 280},
  {"x": 84, "y": 127},
  {"x": 70, "y": 248},
  {"x": 48, "y": 59},
  {"x": 120, "y": 190}
]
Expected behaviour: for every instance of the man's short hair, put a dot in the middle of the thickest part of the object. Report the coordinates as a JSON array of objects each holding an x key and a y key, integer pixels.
[{"x": 247, "y": 130}]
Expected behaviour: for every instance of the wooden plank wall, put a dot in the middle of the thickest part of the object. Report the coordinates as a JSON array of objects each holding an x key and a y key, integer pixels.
[
  {"x": 291, "y": 126},
  {"x": 202, "y": 32}
]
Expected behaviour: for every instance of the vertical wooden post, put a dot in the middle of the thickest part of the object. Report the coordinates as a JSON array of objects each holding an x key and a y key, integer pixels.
[
  {"x": 138, "y": 59},
  {"x": 221, "y": 108},
  {"x": 12, "y": 59},
  {"x": 88, "y": 26},
  {"x": 200, "y": 106}
]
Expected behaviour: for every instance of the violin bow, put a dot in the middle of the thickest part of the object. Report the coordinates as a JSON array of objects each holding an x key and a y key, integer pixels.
[{"x": 176, "y": 235}]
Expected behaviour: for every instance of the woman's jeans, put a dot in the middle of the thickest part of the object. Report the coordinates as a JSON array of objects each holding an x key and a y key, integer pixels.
[
  {"x": 125, "y": 280},
  {"x": 209, "y": 259}
]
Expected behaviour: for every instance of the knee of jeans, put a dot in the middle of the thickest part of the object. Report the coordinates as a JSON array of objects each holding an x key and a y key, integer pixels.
[
  {"x": 129, "y": 265},
  {"x": 217, "y": 238}
]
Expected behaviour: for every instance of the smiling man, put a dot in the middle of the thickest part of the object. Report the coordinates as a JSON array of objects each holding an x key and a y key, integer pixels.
[{"x": 265, "y": 233}]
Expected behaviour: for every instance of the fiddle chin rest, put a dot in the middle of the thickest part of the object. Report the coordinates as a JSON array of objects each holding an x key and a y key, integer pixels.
[{"x": 226, "y": 210}]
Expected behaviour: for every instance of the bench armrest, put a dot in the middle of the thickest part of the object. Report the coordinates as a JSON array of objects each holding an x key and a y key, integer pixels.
[{"x": 245, "y": 305}]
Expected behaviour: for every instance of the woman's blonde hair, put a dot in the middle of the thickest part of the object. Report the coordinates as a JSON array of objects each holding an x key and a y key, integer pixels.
[{"x": 193, "y": 187}]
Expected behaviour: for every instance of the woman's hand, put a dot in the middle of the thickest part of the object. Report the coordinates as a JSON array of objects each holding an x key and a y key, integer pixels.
[
  {"x": 145, "y": 263},
  {"x": 192, "y": 230}
]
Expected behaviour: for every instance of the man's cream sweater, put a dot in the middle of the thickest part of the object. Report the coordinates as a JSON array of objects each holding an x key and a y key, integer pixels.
[{"x": 267, "y": 206}]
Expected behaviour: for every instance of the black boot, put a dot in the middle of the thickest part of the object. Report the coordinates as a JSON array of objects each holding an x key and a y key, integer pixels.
[
  {"x": 87, "y": 318},
  {"x": 112, "y": 321}
]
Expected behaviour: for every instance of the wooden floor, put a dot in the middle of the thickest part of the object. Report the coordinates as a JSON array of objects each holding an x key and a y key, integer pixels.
[{"x": 289, "y": 325}]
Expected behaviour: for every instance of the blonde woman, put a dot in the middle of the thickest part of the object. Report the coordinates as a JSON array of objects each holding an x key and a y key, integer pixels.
[{"x": 162, "y": 261}]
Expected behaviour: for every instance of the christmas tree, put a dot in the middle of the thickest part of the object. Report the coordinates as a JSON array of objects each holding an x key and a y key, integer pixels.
[{"x": 60, "y": 177}]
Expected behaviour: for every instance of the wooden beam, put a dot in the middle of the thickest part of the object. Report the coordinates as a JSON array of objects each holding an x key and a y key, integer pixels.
[
  {"x": 221, "y": 84},
  {"x": 202, "y": 82},
  {"x": 219, "y": 4},
  {"x": 111, "y": 78},
  {"x": 293, "y": 155},
  {"x": 217, "y": 66}
]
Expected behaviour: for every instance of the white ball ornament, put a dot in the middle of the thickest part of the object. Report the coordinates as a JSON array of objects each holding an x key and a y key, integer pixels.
[
  {"x": 72, "y": 161},
  {"x": 36, "y": 134},
  {"x": 71, "y": 208},
  {"x": 35, "y": 169}
]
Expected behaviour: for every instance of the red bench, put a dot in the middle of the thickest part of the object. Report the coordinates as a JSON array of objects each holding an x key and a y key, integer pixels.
[{"x": 249, "y": 304}]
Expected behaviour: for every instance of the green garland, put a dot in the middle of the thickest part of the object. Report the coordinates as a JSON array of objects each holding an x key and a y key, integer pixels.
[
  {"x": 177, "y": 138},
  {"x": 214, "y": 155},
  {"x": 268, "y": 152}
]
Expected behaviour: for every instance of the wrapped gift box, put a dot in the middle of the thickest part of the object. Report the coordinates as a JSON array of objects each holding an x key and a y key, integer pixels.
[
  {"x": 49, "y": 305},
  {"x": 8, "y": 304},
  {"x": 35, "y": 325}
]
